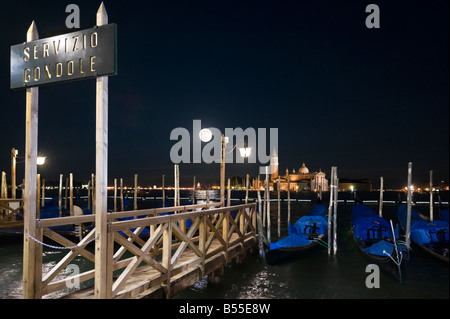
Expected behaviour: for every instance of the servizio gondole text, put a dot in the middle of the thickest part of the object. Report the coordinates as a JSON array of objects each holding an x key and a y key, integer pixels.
[
  {"x": 68, "y": 67},
  {"x": 76, "y": 55}
]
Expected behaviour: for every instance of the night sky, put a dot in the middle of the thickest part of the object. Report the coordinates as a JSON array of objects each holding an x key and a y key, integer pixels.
[{"x": 365, "y": 100}]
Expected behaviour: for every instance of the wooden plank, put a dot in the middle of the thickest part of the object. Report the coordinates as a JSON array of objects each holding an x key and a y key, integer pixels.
[{"x": 59, "y": 221}]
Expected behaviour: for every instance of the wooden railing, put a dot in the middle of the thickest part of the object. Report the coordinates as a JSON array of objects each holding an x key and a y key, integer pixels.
[
  {"x": 9, "y": 209},
  {"x": 138, "y": 264}
]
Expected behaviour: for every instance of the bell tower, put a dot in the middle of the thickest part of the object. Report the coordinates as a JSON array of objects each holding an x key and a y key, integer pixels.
[{"x": 273, "y": 165}]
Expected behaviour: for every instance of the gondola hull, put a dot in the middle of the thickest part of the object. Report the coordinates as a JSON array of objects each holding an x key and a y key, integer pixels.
[
  {"x": 431, "y": 237},
  {"x": 274, "y": 256},
  {"x": 386, "y": 264},
  {"x": 378, "y": 241}
]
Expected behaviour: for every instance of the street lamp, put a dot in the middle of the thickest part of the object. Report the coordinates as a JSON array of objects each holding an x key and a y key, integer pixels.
[{"x": 245, "y": 151}]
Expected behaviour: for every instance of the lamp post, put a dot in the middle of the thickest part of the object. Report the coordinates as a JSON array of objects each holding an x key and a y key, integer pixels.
[{"x": 205, "y": 135}]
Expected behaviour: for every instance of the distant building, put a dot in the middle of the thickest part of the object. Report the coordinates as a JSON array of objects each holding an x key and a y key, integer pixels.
[
  {"x": 303, "y": 180},
  {"x": 361, "y": 185}
]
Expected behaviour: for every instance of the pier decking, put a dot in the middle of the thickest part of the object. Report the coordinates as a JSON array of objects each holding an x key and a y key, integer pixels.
[{"x": 171, "y": 258}]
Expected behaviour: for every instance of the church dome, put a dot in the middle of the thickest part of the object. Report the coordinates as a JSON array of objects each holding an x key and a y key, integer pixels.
[{"x": 303, "y": 169}]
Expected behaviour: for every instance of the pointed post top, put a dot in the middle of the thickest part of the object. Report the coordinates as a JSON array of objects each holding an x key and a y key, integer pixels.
[
  {"x": 32, "y": 33},
  {"x": 102, "y": 15}
]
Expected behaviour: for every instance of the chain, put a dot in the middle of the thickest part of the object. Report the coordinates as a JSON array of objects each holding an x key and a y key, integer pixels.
[{"x": 59, "y": 247}]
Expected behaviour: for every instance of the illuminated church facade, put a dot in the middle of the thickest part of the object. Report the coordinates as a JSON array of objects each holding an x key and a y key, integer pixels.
[{"x": 300, "y": 180}]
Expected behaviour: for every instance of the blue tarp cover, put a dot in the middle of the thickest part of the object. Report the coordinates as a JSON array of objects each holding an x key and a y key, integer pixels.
[
  {"x": 425, "y": 233},
  {"x": 315, "y": 222},
  {"x": 422, "y": 231},
  {"x": 368, "y": 225},
  {"x": 379, "y": 247},
  {"x": 292, "y": 240}
]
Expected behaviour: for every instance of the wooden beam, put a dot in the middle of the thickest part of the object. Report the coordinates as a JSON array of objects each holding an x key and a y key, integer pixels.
[
  {"x": 30, "y": 268},
  {"x": 101, "y": 180}
]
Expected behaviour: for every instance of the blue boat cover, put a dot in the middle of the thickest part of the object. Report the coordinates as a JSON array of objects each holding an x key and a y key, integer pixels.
[
  {"x": 313, "y": 223},
  {"x": 380, "y": 248},
  {"x": 368, "y": 225},
  {"x": 424, "y": 232}
]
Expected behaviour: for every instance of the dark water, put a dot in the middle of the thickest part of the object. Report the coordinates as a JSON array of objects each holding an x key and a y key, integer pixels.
[{"x": 313, "y": 275}]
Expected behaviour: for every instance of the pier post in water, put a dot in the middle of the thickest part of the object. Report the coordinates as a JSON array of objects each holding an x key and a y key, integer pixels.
[
  {"x": 380, "y": 204},
  {"x": 431, "y": 197},
  {"x": 408, "y": 206}
]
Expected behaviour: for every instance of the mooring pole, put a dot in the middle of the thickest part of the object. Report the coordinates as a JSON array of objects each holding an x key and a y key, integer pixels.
[
  {"x": 431, "y": 197},
  {"x": 60, "y": 195},
  {"x": 222, "y": 172},
  {"x": 14, "y": 154},
  {"x": 135, "y": 191},
  {"x": 408, "y": 206},
  {"x": 380, "y": 204},
  {"x": 335, "y": 197},
  {"x": 268, "y": 204},
  {"x": 31, "y": 275},
  {"x": 330, "y": 205},
  {"x": 103, "y": 283},
  {"x": 115, "y": 194},
  {"x": 289, "y": 199},
  {"x": 193, "y": 192}
]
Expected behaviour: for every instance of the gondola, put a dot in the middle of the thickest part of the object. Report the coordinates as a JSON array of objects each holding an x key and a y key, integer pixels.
[
  {"x": 378, "y": 240},
  {"x": 308, "y": 232},
  {"x": 432, "y": 237}
]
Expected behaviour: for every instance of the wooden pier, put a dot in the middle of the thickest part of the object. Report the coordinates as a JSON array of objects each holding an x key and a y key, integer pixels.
[{"x": 171, "y": 258}]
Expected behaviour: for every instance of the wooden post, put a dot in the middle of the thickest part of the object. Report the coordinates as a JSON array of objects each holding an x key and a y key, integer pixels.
[
  {"x": 66, "y": 193},
  {"x": 121, "y": 194},
  {"x": 38, "y": 196},
  {"x": 431, "y": 197},
  {"x": 115, "y": 194},
  {"x": 193, "y": 193},
  {"x": 43, "y": 193},
  {"x": 330, "y": 205},
  {"x": 335, "y": 197},
  {"x": 135, "y": 191},
  {"x": 279, "y": 207},
  {"x": 163, "y": 193},
  {"x": 4, "y": 192},
  {"x": 268, "y": 204},
  {"x": 71, "y": 194},
  {"x": 222, "y": 171},
  {"x": 60, "y": 194},
  {"x": 408, "y": 206},
  {"x": 89, "y": 195},
  {"x": 175, "y": 194},
  {"x": 380, "y": 204},
  {"x": 167, "y": 255},
  {"x": 103, "y": 287},
  {"x": 14, "y": 153},
  {"x": 31, "y": 278},
  {"x": 289, "y": 199},
  {"x": 229, "y": 194},
  {"x": 93, "y": 192},
  {"x": 264, "y": 203}
]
